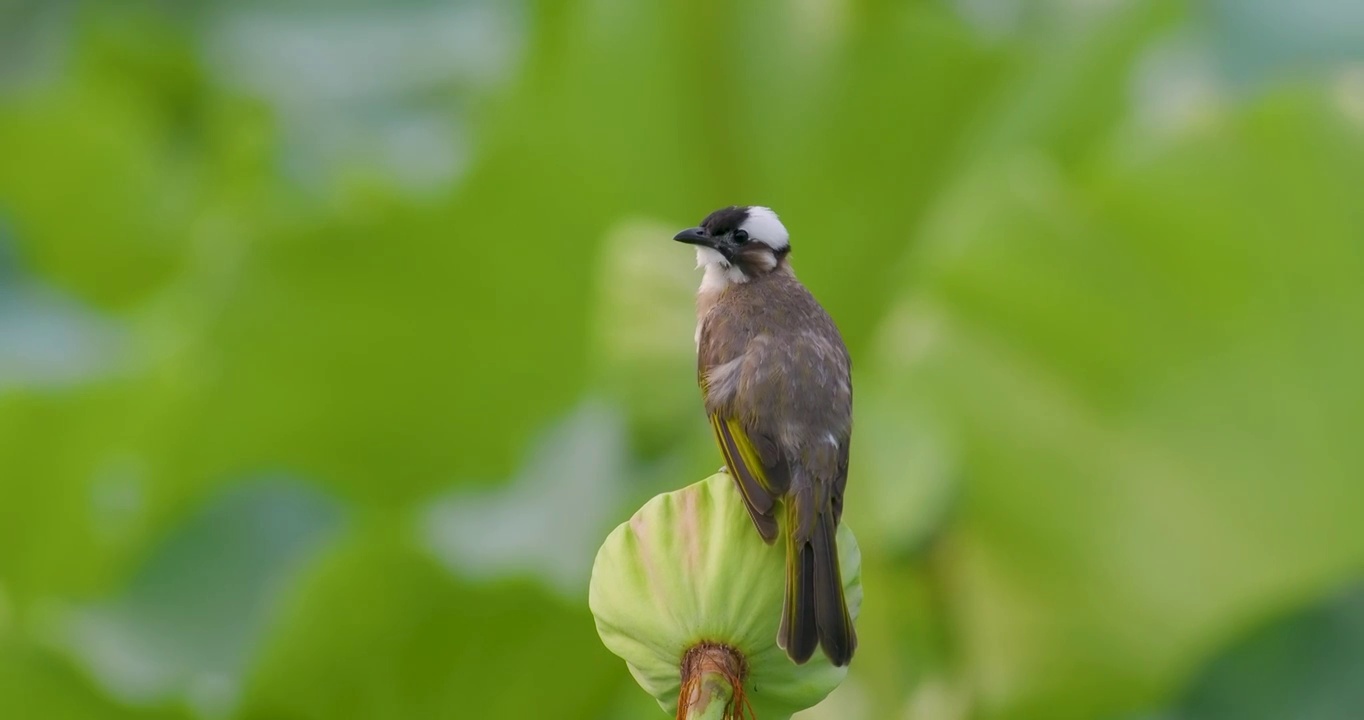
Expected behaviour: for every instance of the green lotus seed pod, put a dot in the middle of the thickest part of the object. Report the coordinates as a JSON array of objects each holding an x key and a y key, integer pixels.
[{"x": 688, "y": 583}]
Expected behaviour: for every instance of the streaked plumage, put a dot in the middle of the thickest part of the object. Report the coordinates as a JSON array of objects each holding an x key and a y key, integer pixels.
[{"x": 776, "y": 380}]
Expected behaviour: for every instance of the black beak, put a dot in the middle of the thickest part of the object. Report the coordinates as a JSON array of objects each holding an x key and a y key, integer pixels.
[{"x": 695, "y": 236}]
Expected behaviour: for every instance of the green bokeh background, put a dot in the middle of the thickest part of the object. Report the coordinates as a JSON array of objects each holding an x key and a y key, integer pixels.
[{"x": 335, "y": 337}]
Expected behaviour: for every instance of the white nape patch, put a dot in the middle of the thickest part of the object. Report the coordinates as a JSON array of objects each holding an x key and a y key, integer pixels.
[
  {"x": 764, "y": 226},
  {"x": 719, "y": 273}
]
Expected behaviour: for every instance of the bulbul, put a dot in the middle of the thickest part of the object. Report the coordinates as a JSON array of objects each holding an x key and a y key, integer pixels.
[{"x": 776, "y": 379}]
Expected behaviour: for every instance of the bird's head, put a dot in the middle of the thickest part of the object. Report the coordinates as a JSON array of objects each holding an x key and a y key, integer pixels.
[{"x": 739, "y": 242}]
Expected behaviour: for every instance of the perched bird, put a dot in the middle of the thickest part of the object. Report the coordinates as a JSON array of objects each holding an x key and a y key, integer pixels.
[{"x": 776, "y": 379}]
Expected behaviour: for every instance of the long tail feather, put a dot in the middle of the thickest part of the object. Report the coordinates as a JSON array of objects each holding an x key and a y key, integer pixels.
[
  {"x": 837, "y": 636},
  {"x": 798, "y": 634},
  {"x": 815, "y": 611}
]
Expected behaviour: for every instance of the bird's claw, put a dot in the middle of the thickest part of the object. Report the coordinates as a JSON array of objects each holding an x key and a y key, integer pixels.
[{"x": 723, "y": 469}]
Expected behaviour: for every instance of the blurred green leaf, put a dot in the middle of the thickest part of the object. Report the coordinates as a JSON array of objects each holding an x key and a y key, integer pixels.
[
  {"x": 38, "y": 683},
  {"x": 383, "y": 632},
  {"x": 1300, "y": 664},
  {"x": 643, "y": 330},
  {"x": 1305, "y": 665},
  {"x": 122, "y": 125},
  {"x": 194, "y": 614},
  {"x": 1138, "y": 357},
  {"x": 56, "y": 449},
  {"x": 1259, "y": 42},
  {"x": 521, "y": 529}
]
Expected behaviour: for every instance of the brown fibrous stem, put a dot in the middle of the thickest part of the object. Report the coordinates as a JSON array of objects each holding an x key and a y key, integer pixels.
[{"x": 713, "y": 677}]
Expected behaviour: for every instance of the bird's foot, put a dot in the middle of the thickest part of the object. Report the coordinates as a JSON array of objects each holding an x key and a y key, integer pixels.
[{"x": 723, "y": 469}]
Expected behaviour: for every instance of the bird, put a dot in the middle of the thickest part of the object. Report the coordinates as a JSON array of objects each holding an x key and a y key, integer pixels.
[{"x": 775, "y": 377}]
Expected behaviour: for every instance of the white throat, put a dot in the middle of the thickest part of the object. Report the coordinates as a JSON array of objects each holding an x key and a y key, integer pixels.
[{"x": 719, "y": 274}]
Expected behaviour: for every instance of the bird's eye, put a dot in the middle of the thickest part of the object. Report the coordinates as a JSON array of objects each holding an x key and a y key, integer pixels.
[{"x": 740, "y": 237}]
